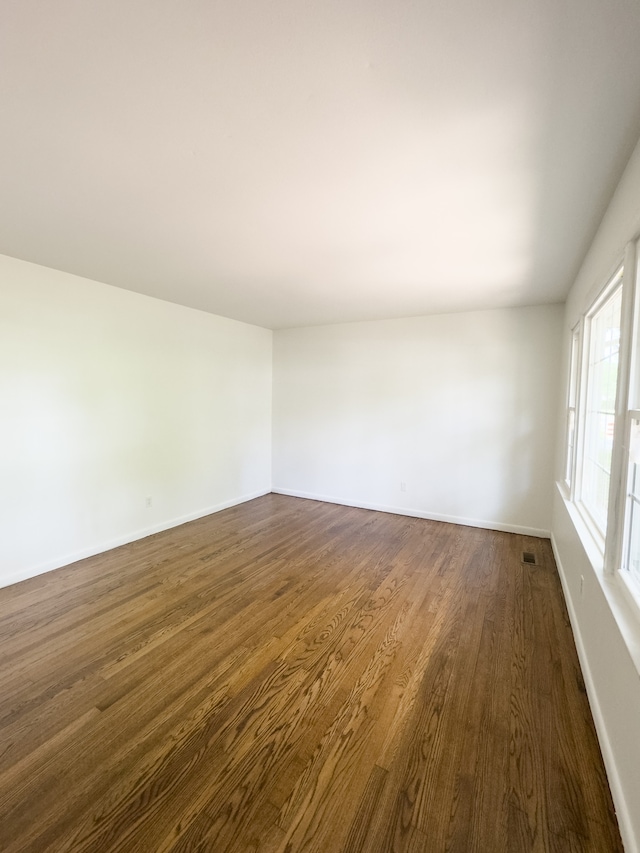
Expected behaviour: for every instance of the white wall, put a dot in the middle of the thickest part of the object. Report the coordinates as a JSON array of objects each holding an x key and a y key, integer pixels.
[
  {"x": 603, "y": 624},
  {"x": 108, "y": 397},
  {"x": 460, "y": 407}
]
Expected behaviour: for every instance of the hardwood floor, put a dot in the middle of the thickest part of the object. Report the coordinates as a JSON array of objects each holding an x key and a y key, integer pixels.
[{"x": 296, "y": 676}]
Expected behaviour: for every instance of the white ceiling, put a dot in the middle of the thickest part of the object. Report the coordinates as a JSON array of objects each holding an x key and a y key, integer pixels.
[{"x": 290, "y": 162}]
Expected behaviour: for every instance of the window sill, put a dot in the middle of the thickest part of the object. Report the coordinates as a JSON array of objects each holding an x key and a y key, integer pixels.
[
  {"x": 630, "y": 592},
  {"x": 615, "y": 587},
  {"x": 626, "y": 612},
  {"x": 591, "y": 543}
]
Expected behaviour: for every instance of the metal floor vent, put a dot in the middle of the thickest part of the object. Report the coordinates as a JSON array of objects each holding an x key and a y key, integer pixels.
[{"x": 529, "y": 557}]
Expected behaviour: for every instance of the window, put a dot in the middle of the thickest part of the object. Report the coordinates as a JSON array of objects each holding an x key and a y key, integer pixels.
[
  {"x": 599, "y": 413},
  {"x": 570, "y": 450},
  {"x": 631, "y": 559},
  {"x": 602, "y": 440}
]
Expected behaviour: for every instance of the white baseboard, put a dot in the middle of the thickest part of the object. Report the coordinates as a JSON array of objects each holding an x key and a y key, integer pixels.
[
  {"x": 617, "y": 792},
  {"x": 416, "y": 513},
  {"x": 125, "y": 539}
]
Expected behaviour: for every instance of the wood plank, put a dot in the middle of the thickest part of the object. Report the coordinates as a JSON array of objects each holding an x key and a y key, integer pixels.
[{"x": 289, "y": 675}]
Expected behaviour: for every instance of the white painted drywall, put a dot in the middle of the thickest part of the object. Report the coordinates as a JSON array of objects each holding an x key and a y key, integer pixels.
[
  {"x": 107, "y": 398},
  {"x": 598, "y": 615},
  {"x": 459, "y": 407}
]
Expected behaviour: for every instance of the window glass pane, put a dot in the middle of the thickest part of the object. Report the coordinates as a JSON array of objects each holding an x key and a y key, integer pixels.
[
  {"x": 572, "y": 368},
  {"x": 571, "y": 430},
  {"x": 602, "y": 378},
  {"x": 571, "y": 409},
  {"x": 634, "y": 541},
  {"x": 632, "y": 559},
  {"x": 635, "y": 482}
]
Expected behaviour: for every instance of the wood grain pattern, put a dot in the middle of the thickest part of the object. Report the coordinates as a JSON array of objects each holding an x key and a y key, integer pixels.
[{"x": 292, "y": 676}]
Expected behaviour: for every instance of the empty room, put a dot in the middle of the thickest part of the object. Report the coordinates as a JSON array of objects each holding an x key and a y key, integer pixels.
[{"x": 320, "y": 426}]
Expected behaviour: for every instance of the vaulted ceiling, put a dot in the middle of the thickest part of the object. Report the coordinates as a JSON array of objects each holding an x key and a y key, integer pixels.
[{"x": 292, "y": 163}]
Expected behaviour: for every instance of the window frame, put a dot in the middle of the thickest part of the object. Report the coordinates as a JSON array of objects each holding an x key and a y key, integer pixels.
[
  {"x": 573, "y": 409},
  {"x": 630, "y": 406},
  {"x": 614, "y": 282},
  {"x": 609, "y": 559}
]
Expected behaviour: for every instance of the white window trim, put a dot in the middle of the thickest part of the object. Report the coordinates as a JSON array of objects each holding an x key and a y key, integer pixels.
[
  {"x": 624, "y": 527},
  {"x": 631, "y": 400},
  {"x": 613, "y": 283},
  {"x": 575, "y": 362},
  {"x": 631, "y": 592},
  {"x": 619, "y": 458},
  {"x": 619, "y": 586},
  {"x": 616, "y": 591}
]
